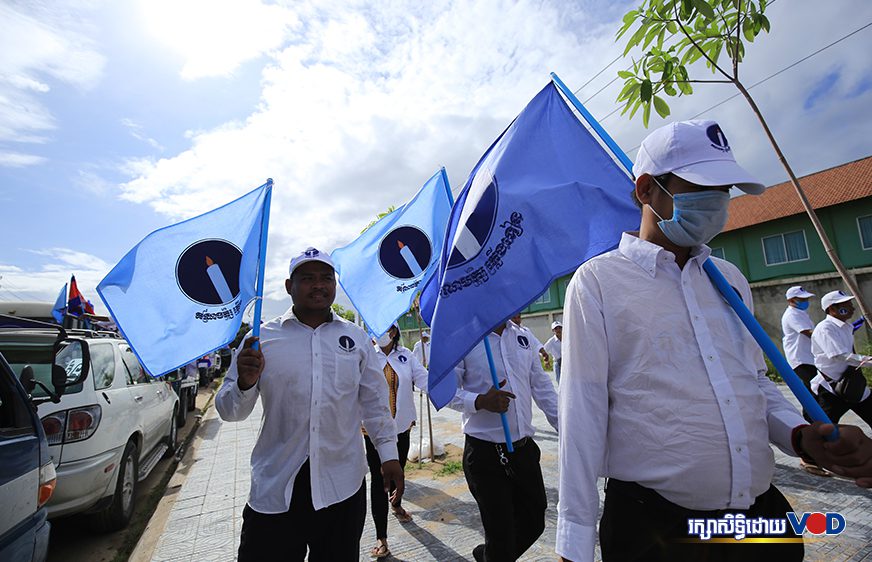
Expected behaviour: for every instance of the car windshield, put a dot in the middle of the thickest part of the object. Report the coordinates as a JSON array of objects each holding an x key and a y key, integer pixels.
[{"x": 38, "y": 355}]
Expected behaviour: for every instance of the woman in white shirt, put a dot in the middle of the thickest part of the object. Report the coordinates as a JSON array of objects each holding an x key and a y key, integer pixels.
[{"x": 402, "y": 372}]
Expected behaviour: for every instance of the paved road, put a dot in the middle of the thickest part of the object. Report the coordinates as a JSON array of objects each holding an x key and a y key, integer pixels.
[{"x": 206, "y": 518}]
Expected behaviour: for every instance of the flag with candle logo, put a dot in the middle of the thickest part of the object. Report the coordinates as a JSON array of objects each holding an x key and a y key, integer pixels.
[
  {"x": 181, "y": 292},
  {"x": 383, "y": 269}
]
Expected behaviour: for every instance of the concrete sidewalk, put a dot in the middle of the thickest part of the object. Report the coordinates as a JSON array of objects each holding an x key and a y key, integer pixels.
[{"x": 207, "y": 517}]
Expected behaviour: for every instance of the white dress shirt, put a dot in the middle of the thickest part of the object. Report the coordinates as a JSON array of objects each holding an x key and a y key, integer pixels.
[
  {"x": 661, "y": 385},
  {"x": 516, "y": 359},
  {"x": 552, "y": 347},
  {"x": 410, "y": 373},
  {"x": 317, "y": 387},
  {"x": 797, "y": 346},
  {"x": 832, "y": 344},
  {"x": 416, "y": 351}
]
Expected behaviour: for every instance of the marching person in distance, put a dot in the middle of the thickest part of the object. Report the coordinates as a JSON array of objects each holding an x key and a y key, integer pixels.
[
  {"x": 425, "y": 344},
  {"x": 529, "y": 333},
  {"x": 507, "y": 487},
  {"x": 402, "y": 372},
  {"x": 839, "y": 384},
  {"x": 796, "y": 327},
  {"x": 552, "y": 346},
  {"x": 663, "y": 390},
  {"x": 318, "y": 379}
]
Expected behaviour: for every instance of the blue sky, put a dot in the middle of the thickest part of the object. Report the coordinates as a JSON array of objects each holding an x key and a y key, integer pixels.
[{"x": 117, "y": 118}]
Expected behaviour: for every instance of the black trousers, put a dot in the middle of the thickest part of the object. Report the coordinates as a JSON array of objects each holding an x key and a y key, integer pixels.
[
  {"x": 378, "y": 500},
  {"x": 511, "y": 498},
  {"x": 331, "y": 534},
  {"x": 806, "y": 373},
  {"x": 835, "y": 406},
  {"x": 638, "y": 524}
]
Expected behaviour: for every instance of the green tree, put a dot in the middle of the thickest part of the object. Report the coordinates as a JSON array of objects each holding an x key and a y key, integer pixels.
[
  {"x": 340, "y": 310},
  {"x": 674, "y": 34},
  {"x": 240, "y": 333}
]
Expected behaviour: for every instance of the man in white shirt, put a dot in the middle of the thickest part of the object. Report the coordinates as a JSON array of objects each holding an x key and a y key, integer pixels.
[
  {"x": 507, "y": 487},
  {"x": 796, "y": 327},
  {"x": 839, "y": 385},
  {"x": 318, "y": 379},
  {"x": 417, "y": 348},
  {"x": 532, "y": 337},
  {"x": 552, "y": 346},
  {"x": 663, "y": 390}
]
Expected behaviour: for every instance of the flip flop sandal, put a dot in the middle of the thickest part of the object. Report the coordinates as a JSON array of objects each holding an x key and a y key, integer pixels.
[
  {"x": 403, "y": 516},
  {"x": 380, "y": 551}
]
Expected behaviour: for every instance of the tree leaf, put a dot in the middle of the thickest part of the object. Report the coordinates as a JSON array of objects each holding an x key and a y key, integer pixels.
[
  {"x": 661, "y": 106},
  {"x": 748, "y": 28},
  {"x": 634, "y": 40},
  {"x": 704, "y": 9},
  {"x": 764, "y": 21},
  {"x": 625, "y": 74},
  {"x": 645, "y": 91},
  {"x": 646, "y": 114}
]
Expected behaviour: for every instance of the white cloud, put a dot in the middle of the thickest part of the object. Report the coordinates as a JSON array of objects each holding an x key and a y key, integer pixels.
[
  {"x": 215, "y": 37},
  {"x": 18, "y": 159},
  {"x": 39, "y": 42},
  {"x": 137, "y": 132},
  {"x": 43, "y": 282}
]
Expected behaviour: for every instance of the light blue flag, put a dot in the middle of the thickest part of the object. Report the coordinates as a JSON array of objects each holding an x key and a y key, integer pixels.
[
  {"x": 181, "y": 292},
  {"x": 382, "y": 271},
  {"x": 60, "y": 305},
  {"x": 543, "y": 199}
]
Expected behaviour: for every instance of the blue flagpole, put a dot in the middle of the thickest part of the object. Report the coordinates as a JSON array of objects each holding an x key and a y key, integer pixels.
[
  {"x": 261, "y": 266},
  {"x": 764, "y": 341},
  {"x": 447, "y": 186},
  {"x": 493, "y": 371}
]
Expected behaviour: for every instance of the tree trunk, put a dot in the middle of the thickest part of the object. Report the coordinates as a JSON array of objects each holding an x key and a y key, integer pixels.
[{"x": 848, "y": 279}]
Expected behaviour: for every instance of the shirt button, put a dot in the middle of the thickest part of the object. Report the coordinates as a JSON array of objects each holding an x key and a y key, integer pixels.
[
  {"x": 729, "y": 401},
  {"x": 741, "y": 494},
  {"x": 711, "y": 357},
  {"x": 738, "y": 449}
]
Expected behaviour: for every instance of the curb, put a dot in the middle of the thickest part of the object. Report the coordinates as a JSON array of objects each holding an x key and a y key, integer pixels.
[{"x": 145, "y": 546}]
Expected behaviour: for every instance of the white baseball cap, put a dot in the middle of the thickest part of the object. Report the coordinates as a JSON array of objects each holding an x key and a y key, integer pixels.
[
  {"x": 311, "y": 254},
  {"x": 696, "y": 151},
  {"x": 797, "y": 292},
  {"x": 834, "y": 297},
  {"x": 425, "y": 333},
  {"x": 556, "y": 324}
]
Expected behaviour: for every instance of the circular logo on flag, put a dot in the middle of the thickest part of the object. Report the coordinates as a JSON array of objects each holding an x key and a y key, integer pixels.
[
  {"x": 405, "y": 252},
  {"x": 470, "y": 237},
  {"x": 207, "y": 272}
]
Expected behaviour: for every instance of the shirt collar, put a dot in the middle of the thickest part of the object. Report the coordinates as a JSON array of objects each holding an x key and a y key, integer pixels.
[
  {"x": 289, "y": 315},
  {"x": 835, "y": 321},
  {"x": 646, "y": 254}
]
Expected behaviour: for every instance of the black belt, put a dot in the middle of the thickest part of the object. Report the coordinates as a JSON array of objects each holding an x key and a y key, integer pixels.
[{"x": 522, "y": 442}]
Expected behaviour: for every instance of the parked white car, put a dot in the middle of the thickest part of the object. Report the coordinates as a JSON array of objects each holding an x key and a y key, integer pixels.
[{"x": 106, "y": 434}]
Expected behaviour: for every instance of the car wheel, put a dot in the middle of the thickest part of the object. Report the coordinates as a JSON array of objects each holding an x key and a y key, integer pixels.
[
  {"x": 192, "y": 398},
  {"x": 118, "y": 514},
  {"x": 172, "y": 439},
  {"x": 182, "y": 415}
]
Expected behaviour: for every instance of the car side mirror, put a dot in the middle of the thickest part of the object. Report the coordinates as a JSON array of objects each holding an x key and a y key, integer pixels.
[
  {"x": 71, "y": 364},
  {"x": 27, "y": 379}
]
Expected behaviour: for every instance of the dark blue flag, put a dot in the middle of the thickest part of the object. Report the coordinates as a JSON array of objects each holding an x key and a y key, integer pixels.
[{"x": 542, "y": 200}]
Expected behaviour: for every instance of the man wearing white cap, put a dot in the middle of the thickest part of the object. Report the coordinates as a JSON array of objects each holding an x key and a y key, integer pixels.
[
  {"x": 318, "y": 379},
  {"x": 839, "y": 385},
  {"x": 552, "y": 346},
  {"x": 422, "y": 348},
  {"x": 796, "y": 327},
  {"x": 663, "y": 390}
]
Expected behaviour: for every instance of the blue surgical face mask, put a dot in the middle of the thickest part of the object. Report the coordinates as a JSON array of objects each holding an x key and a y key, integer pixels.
[
  {"x": 802, "y": 305},
  {"x": 696, "y": 217}
]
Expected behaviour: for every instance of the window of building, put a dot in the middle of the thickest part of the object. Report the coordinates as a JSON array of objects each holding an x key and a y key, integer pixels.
[
  {"x": 544, "y": 298},
  {"x": 718, "y": 253},
  {"x": 865, "y": 225},
  {"x": 785, "y": 248}
]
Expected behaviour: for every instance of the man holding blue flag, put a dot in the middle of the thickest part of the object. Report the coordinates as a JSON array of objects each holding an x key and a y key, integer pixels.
[
  {"x": 663, "y": 390},
  {"x": 507, "y": 486},
  {"x": 318, "y": 378}
]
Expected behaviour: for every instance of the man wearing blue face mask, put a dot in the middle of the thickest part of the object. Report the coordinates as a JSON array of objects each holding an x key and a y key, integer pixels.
[
  {"x": 663, "y": 391},
  {"x": 796, "y": 326}
]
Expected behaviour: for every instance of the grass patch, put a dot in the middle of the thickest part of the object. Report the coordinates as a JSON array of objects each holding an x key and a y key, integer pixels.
[{"x": 449, "y": 468}]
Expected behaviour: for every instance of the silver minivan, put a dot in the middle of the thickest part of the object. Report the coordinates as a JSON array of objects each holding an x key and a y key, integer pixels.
[{"x": 106, "y": 434}]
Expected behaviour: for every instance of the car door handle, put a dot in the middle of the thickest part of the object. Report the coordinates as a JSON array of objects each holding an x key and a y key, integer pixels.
[{"x": 138, "y": 398}]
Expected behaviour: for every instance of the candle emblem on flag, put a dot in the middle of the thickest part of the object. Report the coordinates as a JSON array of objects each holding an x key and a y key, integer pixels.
[
  {"x": 409, "y": 257},
  {"x": 218, "y": 280}
]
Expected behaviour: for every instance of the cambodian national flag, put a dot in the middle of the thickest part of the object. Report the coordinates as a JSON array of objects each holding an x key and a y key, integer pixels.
[
  {"x": 75, "y": 301},
  {"x": 542, "y": 200}
]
